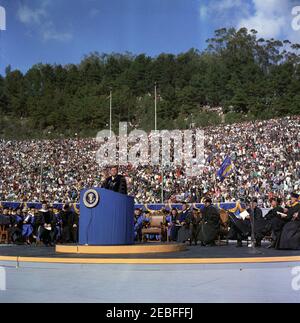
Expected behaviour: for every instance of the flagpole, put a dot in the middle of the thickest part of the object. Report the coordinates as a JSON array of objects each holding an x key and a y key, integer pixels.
[
  {"x": 162, "y": 183},
  {"x": 110, "y": 113},
  {"x": 155, "y": 105}
]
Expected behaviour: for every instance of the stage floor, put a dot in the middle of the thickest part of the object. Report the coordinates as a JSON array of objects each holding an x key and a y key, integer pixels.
[
  {"x": 193, "y": 254},
  {"x": 36, "y": 274}
]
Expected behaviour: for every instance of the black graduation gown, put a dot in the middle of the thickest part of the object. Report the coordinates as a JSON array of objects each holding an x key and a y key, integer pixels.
[
  {"x": 195, "y": 228},
  {"x": 210, "y": 225},
  {"x": 117, "y": 184},
  {"x": 275, "y": 222},
  {"x": 290, "y": 237},
  {"x": 184, "y": 232},
  {"x": 47, "y": 235},
  {"x": 15, "y": 228},
  {"x": 260, "y": 223},
  {"x": 67, "y": 218}
]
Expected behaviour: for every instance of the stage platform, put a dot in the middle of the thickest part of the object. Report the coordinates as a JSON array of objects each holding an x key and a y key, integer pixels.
[
  {"x": 149, "y": 248},
  {"x": 181, "y": 255}
]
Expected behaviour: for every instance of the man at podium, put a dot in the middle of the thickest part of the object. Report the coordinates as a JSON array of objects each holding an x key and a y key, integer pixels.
[{"x": 115, "y": 182}]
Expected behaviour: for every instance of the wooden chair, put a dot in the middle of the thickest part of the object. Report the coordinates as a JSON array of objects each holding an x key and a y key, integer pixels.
[
  {"x": 3, "y": 234},
  {"x": 156, "y": 226},
  {"x": 224, "y": 227}
]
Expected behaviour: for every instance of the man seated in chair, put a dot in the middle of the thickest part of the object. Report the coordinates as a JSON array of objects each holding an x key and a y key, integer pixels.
[
  {"x": 275, "y": 220},
  {"x": 290, "y": 236},
  {"x": 184, "y": 220},
  {"x": 14, "y": 227},
  {"x": 47, "y": 225},
  {"x": 241, "y": 229},
  {"x": 138, "y": 224},
  {"x": 195, "y": 226}
]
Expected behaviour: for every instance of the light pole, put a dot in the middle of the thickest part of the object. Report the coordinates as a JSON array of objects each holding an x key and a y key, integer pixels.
[
  {"x": 155, "y": 106},
  {"x": 110, "y": 113},
  {"x": 42, "y": 169}
]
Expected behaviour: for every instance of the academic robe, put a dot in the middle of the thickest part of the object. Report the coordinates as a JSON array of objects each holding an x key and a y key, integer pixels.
[
  {"x": 27, "y": 228},
  {"x": 184, "y": 232},
  {"x": 15, "y": 228},
  {"x": 67, "y": 220},
  {"x": 260, "y": 223},
  {"x": 117, "y": 184},
  {"x": 290, "y": 236},
  {"x": 172, "y": 232},
  {"x": 45, "y": 235},
  {"x": 275, "y": 222},
  {"x": 138, "y": 226},
  {"x": 241, "y": 229},
  {"x": 210, "y": 225},
  {"x": 195, "y": 228}
]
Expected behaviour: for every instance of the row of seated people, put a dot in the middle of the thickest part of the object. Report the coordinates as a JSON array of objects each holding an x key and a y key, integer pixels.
[
  {"x": 46, "y": 225},
  {"x": 281, "y": 224}
]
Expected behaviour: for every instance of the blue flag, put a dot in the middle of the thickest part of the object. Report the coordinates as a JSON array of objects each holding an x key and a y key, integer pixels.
[{"x": 226, "y": 169}]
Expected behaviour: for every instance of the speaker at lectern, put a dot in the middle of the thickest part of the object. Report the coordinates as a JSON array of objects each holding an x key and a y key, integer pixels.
[{"x": 106, "y": 218}]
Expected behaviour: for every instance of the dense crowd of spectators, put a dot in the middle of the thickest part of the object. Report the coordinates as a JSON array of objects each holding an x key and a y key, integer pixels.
[{"x": 265, "y": 154}]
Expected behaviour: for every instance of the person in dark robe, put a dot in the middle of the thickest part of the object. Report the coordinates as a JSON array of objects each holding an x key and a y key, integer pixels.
[
  {"x": 171, "y": 222},
  {"x": 195, "y": 226},
  {"x": 57, "y": 226},
  {"x": 290, "y": 236},
  {"x": 67, "y": 220},
  {"x": 183, "y": 224},
  {"x": 138, "y": 224},
  {"x": 275, "y": 220},
  {"x": 210, "y": 225},
  {"x": 115, "y": 182},
  {"x": 5, "y": 218},
  {"x": 27, "y": 228},
  {"x": 37, "y": 224},
  {"x": 75, "y": 227},
  {"x": 14, "y": 225},
  {"x": 257, "y": 222},
  {"x": 47, "y": 225},
  {"x": 241, "y": 229}
]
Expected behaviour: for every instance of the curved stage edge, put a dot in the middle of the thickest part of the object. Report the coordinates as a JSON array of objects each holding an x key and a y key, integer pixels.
[
  {"x": 148, "y": 261},
  {"x": 158, "y": 254},
  {"x": 121, "y": 250}
]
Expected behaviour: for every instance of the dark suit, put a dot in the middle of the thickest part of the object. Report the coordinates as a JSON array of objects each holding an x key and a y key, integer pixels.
[{"x": 117, "y": 184}]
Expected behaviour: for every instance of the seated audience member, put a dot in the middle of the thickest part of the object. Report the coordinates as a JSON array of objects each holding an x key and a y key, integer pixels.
[
  {"x": 57, "y": 225},
  {"x": 290, "y": 237},
  {"x": 195, "y": 226},
  {"x": 184, "y": 222},
  {"x": 259, "y": 222},
  {"x": 241, "y": 229},
  {"x": 47, "y": 225},
  {"x": 27, "y": 229},
  {"x": 276, "y": 220},
  {"x": 171, "y": 222},
  {"x": 15, "y": 227},
  {"x": 138, "y": 224},
  {"x": 210, "y": 225}
]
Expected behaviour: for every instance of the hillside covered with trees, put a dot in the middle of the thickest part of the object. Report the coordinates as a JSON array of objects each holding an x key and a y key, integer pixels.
[{"x": 247, "y": 76}]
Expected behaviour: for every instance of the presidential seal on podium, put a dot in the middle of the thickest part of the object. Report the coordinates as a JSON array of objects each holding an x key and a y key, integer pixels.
[{"x": 91, "y": 198}]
